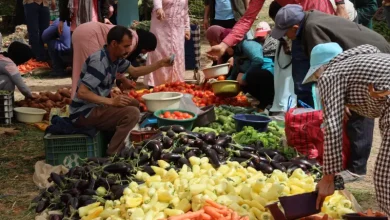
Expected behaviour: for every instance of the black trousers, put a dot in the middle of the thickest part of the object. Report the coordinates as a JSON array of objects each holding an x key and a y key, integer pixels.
[
  {"x": 260, "y": 84},
  {"x": 224, "y": 23}
]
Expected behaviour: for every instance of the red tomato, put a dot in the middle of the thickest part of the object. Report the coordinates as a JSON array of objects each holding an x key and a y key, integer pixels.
[
  {"x": 167, "y": 114},
  {"x": 221, "y": 77},
  {"x": 179, "y": 118},
  {"x": 178, "y": 114}
]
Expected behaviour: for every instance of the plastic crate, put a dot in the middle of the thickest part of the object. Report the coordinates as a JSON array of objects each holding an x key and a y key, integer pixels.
[
  {"x": 6, "y": 114},
  {"x": 6, "y": 108},
  {"x": 5, "y": 121},
  {"x": 69, "y": 150}
]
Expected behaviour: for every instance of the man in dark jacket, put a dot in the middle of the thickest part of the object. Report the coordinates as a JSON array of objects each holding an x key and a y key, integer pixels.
[
  {"x": 224, "y": 13},
  {"x": 313, "y": 28}
]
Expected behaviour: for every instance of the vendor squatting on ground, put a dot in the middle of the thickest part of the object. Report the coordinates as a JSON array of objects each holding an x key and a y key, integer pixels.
[{"x": 91, "y": 107}]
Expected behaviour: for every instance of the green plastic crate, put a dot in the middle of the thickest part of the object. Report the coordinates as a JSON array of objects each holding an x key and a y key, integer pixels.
[{"x": 68, "y": 150}]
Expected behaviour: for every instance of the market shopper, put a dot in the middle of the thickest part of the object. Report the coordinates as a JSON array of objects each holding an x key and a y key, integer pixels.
[
  {"x": 59, "y": 48},
  {"x": 77, "y": 12},
  {"x": 214, "y": 35},
  {"x": 90, "y": 107},
  {"x": 18, "y": 53},
  {"x": 312, "y": 28},
  {"x": 300, "y": 62},
  {"x": 38, "y": 19},
  {"x": 224, "y": 13},
  {"x": 171, "y": 25},
  {"x": 358, "y": 78},
  {"x": 252, "y": 69},
  {"x": 90, "y": 37}
]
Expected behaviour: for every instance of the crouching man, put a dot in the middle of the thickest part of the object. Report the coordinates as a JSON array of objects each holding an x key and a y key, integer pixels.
[{"x": 91, "y": 106}]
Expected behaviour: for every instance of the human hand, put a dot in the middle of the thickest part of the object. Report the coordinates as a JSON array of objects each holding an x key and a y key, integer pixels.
[
  {"x": 241, "y": 81},
  {"x": 121, "y": 101},
  {"x": 166, "y": 62},
  {"x": 217, "y": 51},
  {"x": 206, "y": 23},
  {"x": 107, "y": 21},
  {"x": 347, "y": 113},
  {"x": 160, "y": 14},
  {"x": 60, "y": 27},
  {"x": 325, "y": 188},
  {"x": 231, "y": 62},
  {"x": 377, "y": 94},
  {"x": 341, "y": 11},
  {"x": 187, "y": 35},
  {"x": 53, "y": 5}
]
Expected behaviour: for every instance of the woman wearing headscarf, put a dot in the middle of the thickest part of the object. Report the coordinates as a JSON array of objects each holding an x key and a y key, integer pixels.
[
  {"x": 215, "y": 34},
  {"x": 18, "y": 53},
  {"x": 359, "y": 79},
  {"x": 171, "y": 25},
  {"x": 253, "y": 70},
  {"x": 77, "y": 12},
  {"x": 92, "y": 36}
]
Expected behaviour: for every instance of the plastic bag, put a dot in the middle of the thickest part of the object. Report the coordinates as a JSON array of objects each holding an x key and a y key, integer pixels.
[
  {"x": 62, "y": 112},
  {"x": 186, "y": 103}
]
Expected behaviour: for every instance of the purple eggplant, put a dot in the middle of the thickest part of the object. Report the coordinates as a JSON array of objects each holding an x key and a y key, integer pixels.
[
  {"x": 157, "y": 137},
  {"x": 219, "y": 149},
  {"x": 51, "y": 189},
  {"x": 191, "y": 141},
  {"x": 74, "y": 202},
  {"x": 42, "y": 205},
  {"x": 70, "y": 172},
  {"x": 155, "y": 148},
  {"x": 148, "y": 169},
  {"x": 183, "y": 161},
  {"x": 57, "y": 180},
  {"x": 178, "y": 128},
  {"x": 90, "y": 192},
  {"x": 84, "y": 198},
  {"x": 190, "y": 154},
  {"x": 37, "y": 199},
  {"x": 279, "y": 158},
  {"x": 116, "y": 168},
  {"x": 213, "y": 156},
  {"x": 198, "y": 143},
  {"x": 169, "y": 157},
  {"x": 246, "y": 154},
  {"x": 269, "y": 152},
  {"x": 223, "y": 141},
  {"x": 167, "y": 142},
  {"x": 278, "y": 166},
  {"x": 171, "y": 134},
  {"x": 195, "y": 134},
  {"x": 73, "y": 192},
  {"x": 238, "y": 159},
  {"x": 165, "y": 128},
  {"x": 181, "y": 150},
  {"x": 117, "y": 191},
  {"x": 143, "y": 159},
  {"x": 263, "y": 167},
  {"x": 88, "y": 202},
  {"x": 210, "y": 138},
  {"x": 65, "y": 198},
  {"x": 83, "y": 184},
  {"x": 286, "y": 164},
  {"x": 303, "y": 161},
  {"x": 183, "y": 140}
]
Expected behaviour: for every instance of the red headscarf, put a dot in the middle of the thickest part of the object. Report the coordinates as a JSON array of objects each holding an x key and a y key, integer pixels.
[{"x": 217, "y": 33}]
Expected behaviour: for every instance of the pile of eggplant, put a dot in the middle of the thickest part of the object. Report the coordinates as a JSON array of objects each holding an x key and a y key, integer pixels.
[{"x": 82, "y": 185}]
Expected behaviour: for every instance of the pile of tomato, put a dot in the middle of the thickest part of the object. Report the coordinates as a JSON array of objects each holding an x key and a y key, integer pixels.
[
  {"x": 202, "y": 95},
  {"x": 177, "y": 115}
]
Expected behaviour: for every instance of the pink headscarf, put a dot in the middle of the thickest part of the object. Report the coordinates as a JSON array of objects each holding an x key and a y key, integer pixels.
[{"x": 217, "y": 33}]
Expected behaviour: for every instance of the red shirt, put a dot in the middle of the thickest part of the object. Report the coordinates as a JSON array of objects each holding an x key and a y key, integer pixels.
[{"x": 246, "y": 22}]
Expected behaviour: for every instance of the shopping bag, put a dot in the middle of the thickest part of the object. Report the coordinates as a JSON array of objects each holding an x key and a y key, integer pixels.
[{"x": 305, "y": 133}]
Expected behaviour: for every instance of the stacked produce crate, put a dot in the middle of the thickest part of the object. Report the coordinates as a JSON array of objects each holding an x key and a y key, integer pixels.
[{"x": 6, "y": 107}]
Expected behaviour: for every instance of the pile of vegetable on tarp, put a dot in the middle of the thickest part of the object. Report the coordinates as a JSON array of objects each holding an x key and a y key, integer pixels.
[{"x": 175, "y": 172}]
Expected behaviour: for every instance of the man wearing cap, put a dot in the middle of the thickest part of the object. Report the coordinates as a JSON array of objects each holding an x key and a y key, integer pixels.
[
  {"x": 358, "y": 78},
  {"x": 312, "y": 28}
]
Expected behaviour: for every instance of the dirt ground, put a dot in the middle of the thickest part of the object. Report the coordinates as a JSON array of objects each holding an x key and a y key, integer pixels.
[{"x": 19, "y": 153}]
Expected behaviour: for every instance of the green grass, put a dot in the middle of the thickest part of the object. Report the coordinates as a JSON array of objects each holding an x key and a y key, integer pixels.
[
  {"x": 18, "y": 156},
  {"x": 365, "y": 197}
]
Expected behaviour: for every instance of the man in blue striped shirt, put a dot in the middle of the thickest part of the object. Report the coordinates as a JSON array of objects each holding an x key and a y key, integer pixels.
[{"x": 92, "y": 106}]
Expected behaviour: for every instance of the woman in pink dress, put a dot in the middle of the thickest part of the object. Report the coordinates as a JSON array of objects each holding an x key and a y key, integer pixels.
[{"x": 171, "y": 25}]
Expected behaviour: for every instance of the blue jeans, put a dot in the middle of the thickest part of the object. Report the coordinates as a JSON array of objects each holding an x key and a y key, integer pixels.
[
  {"x": 37, "y": 19},
  {"x": 300, "y": 67},
  {"x": 59, "y": 46}
]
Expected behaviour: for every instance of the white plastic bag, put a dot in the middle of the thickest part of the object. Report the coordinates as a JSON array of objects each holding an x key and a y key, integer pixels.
[{"x": 186, "y": 103}]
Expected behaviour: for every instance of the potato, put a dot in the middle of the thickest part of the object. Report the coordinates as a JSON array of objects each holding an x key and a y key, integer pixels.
[
  {"x": 67, "y": 101},
  {"x": 41, "y": 105},
  {"x": 49, "y": 104},
  {"x": 43, "y": 98}
]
